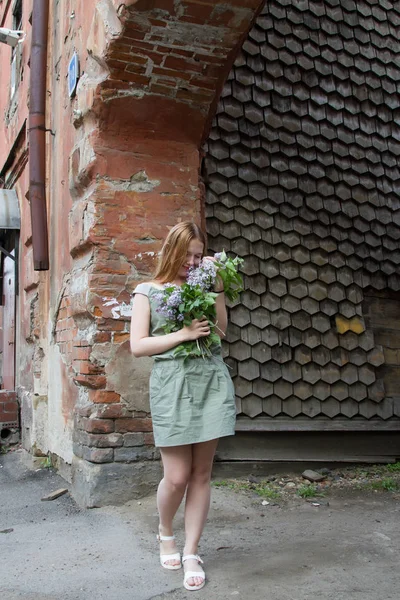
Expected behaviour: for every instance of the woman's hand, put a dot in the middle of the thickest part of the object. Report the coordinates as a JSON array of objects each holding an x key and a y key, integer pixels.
[{"x": 197, "y": 329}]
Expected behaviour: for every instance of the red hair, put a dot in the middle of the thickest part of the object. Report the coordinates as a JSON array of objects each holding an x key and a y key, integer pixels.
[{"x": 174, "y": 250}]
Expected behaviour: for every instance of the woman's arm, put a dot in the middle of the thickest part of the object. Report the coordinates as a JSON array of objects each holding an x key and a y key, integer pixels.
[
  {"x": 144, "y": 345},
  {"x": 222, "y": 316}
]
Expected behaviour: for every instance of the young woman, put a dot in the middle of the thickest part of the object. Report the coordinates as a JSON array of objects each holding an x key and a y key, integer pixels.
[{"x": 192, "y": 401}]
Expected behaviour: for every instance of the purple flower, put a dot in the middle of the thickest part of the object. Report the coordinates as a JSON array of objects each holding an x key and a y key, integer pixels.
[
  {"x": 175, "y": 299},
  {"x": 203, "y": 276}
]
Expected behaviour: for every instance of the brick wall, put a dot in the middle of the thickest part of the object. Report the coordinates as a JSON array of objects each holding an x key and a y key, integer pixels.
[{"x": 8, "y": 409}]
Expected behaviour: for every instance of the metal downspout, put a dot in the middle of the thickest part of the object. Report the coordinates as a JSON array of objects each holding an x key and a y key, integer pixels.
[{"x": 37, "y": 135}]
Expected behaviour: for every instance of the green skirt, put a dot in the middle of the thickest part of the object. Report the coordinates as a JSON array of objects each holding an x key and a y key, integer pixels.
[{"x": 191, "y": 401}]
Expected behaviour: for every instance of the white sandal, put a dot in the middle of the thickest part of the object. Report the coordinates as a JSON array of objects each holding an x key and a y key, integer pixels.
[
  {"x": 166, "y": 557},
  {"x": 190, "y": 574}
]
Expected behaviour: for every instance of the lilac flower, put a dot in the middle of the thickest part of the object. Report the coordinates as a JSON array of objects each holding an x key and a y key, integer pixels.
[
  {"x": 203, "y": 276},
  {"x": 175, "y": 299}
]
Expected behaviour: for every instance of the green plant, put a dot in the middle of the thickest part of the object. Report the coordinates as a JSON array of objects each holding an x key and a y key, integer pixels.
[
  {"x": 388, "y": 484},
  {"x": 394, "y": 467},
  {"x": 267, "y": 492},
  {"x": 309, "y": 490},
  {"x": 224, "y": 483},
  {"x": 44, "y": 462}
]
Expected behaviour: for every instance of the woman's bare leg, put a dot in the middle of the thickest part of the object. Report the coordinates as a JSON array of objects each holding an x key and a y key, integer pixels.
[
  {"x": 198, "y": 501},
  {"x": 177, "y": 463}
]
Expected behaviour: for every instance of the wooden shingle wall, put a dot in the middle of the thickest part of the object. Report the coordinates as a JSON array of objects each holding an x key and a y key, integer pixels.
[{"x": 303, "y": 181}]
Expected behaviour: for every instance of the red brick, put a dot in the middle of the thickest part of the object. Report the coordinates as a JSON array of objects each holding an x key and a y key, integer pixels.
[
  {"x": 82, "y": 353},
  {"x": 117, "y": 64},
  {"x": 154, "y": 37},
  {"x": 135, "y": 26},
  {"x": 188, "y": 53},
  {"x": 112, "y": 325},
  {"x": 8, "y": 416},
  {"x": 120, "y": 338},
  {"x": 84, "y": 411},
  {"x": 192, "y": 20},
  {"x": 167, "y": 5},
  {"x": 119, "y": 46},
  {"x": 225, "y": 18},
  {"x": 97, "y": 455},
  {"x": 175, "y": 62},
  {"x": 163, "y": 90},
  {"x": 102, "y": 337},
  {"x": 127, "y": 425},
  {"x": 204, "y": 82},
  {"x": 91, "y": 381},
  {"x": 80, "y": 422},
  {"x": 8, "y": 396},
  {"x": 62, "y": 314},
  {"x": 166, "y": 82},
  {"x": 111, "y": 440},
  {"x": 132, "y": 77},
  {"x": 85, "y": 367},
  {"x": 149, "y": 439},
  {"x": 199, "y": 10},
  {"x": 141, "y": 47},
  {"x": 128, "y": 58},
  {"x": 99, "y": 426},
  {"x": 155, "y": 57},
  {"x": 133, "y": 68},
  {"x": 213, "y": 71},
  {"x": 134, "y": 35},
  {"x": 158, "y": 23},
  {"x": 104, "y": 397},
  {"x": 61, "y": 324},
  {"x": 111, "y": 411},
  {"x": 171, "y": 73},
  {"x": 140, "y": 414},
  {"x": 203, "y": 98},
  {"x": 208, "y": 58}
]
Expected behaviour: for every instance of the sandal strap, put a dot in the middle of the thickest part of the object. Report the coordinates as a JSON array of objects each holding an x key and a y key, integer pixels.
[
  {"x": 174, "y": 556},
  {"x": 165, "y": 538},
  {"x": 190, "y": 574},
  {"x": 192, "y": 556}
]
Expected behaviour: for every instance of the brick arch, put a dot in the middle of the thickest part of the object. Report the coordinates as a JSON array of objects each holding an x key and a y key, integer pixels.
[{"x": 167, "y": 66}]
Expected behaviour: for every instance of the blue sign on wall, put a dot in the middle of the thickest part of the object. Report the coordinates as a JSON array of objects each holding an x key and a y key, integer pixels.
[{"x": 73, "y": 74}]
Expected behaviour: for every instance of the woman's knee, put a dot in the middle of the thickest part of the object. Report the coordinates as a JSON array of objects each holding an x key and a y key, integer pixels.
[
  {"x": 200, "y": 474},
  {"x": 177, "y": 481}
]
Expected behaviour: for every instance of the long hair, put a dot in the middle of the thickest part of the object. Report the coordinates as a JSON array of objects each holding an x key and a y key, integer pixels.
[{"x": 174, "y": 250}]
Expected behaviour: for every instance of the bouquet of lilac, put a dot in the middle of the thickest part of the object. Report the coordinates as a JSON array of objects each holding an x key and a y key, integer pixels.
[{"x": 195, "y": 299}]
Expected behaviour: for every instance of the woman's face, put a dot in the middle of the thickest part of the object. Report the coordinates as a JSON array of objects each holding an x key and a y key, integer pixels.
[{"x": 193, "y": 257}]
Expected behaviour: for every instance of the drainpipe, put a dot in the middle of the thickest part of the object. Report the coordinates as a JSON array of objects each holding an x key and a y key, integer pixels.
[{"x": 37, "y": 135}]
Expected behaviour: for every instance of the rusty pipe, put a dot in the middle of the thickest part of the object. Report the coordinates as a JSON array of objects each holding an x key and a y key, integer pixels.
[{"x": 37, "y": 135}]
